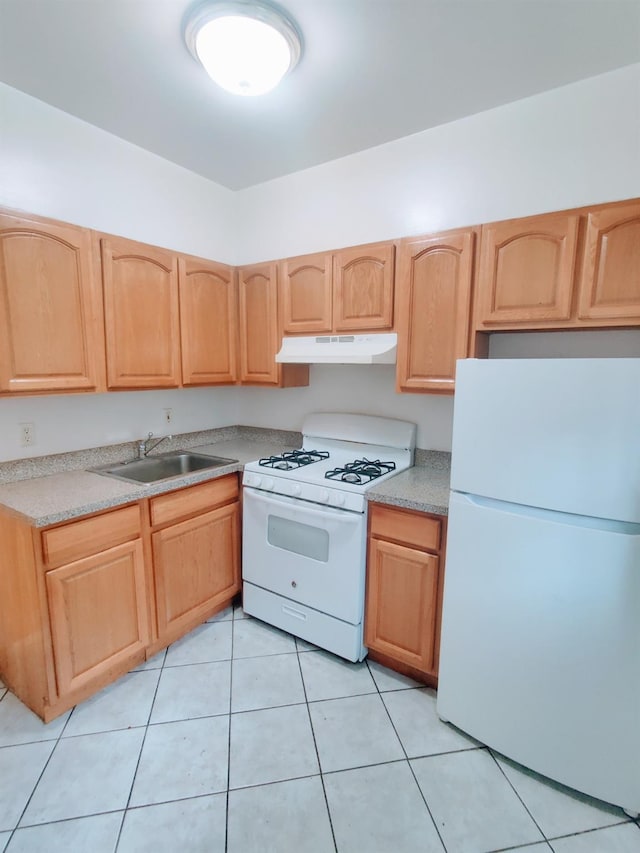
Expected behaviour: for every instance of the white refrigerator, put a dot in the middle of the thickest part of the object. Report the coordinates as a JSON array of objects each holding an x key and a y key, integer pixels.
[{"x": 540, "y": 650}]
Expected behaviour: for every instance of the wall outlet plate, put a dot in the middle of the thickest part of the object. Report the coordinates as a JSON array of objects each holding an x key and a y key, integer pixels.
[{"x": 27, "y": 434}]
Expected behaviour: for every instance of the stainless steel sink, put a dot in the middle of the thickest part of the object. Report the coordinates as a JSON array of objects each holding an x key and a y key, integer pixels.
[{"x": 152, "y": 469}]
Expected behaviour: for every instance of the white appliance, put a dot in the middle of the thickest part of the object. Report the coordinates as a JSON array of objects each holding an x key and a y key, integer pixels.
[
  {"x": 304, "y": 527},
  {"x": 378, "y": 348},
  {"x": 540, "y": 650}
]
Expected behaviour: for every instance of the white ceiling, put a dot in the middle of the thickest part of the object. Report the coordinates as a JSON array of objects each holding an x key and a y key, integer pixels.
[{"x": 371, "y": 71}]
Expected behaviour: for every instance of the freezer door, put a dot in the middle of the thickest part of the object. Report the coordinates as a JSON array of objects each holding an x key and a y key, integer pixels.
[
  {"x": 563, "y": 434},
  {"x": 540, "y": 651}
]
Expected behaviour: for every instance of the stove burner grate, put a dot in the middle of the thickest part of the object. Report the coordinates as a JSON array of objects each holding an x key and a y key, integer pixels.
[
  {"x": 360, "y": 471},
  {"x": 291, "y": 459}
]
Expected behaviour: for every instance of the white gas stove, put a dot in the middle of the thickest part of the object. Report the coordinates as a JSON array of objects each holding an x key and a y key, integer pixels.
[
  {"x": 304, "y": 526},
  {"x": 341, "y": 456}
]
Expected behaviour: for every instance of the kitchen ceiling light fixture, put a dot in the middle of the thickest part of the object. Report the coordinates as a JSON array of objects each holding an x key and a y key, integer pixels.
[{"x": 246, "y": 47}]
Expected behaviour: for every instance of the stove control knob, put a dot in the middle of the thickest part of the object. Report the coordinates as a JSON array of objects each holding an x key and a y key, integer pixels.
[
  {"x": 254, "y": 480},
  {"x": 296, "y": 489},
  {"x": 269, "y": 484},
  {"x": 339, "y": 500},
  {"x": 324, "y": 496}
]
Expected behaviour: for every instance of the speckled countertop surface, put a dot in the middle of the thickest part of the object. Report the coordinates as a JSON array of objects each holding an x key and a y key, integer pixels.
[
  {"x": 66, "y": 494},
  {"x": 425, "y": 487}
]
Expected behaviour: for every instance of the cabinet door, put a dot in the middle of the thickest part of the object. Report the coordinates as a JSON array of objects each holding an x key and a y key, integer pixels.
[
  {"x": 305, "y": 287},
  {"x": 259, "y": 340},
  {"x": 433, "y": 307},
  {"x": 51, "y": 336},
  {"x": 610, "y": 286},
  {"x": 402, "y": 585},
  {"x": 208, "y": 322},
  {"x": 141, "y": 315},
  {"x": 527, "y": 270},
  {"x": 196, "y": 566},
  {"x": 98, "y": 614},
  {"x": 363, "y": 288}
]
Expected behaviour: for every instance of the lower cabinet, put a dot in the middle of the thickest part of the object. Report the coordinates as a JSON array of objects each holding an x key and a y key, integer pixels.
[
  {"x": 196, "y": 562},
  {"x": 84, "y": 602},
  {"x": 404, "y": 589},
  {"x": 98, "y": 615}
]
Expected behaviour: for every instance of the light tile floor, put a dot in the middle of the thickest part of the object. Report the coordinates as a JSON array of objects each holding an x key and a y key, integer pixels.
[{"x": 242, "y": 739}]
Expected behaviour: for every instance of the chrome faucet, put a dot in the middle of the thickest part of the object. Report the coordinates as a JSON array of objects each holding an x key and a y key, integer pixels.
[{"x": 144, "y": 448}]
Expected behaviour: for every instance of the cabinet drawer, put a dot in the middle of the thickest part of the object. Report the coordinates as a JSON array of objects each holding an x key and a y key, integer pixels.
[
  {"x": 90, "y": 536},
  {"x": 411, "y": 528},
  {"x": 193, "y": 500}
]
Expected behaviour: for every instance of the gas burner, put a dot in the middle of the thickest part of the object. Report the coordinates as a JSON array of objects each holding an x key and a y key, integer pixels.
[
  {"x": 292, "y": 459},
  {"x": 360, "y": 471}
]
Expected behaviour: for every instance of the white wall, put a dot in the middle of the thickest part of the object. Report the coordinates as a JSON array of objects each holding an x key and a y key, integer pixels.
[
  {"x": 572, "y": 146},
  {"x": 64, "y": 422},
  {"x": 364, "y": 389},
  {"x": 56, "y": 165},
  {"x": 569, "y": 147}
]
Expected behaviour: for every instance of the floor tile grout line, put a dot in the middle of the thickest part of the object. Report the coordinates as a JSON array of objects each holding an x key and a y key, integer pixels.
[
  {"x": 144, "y": 739},
  {"x": 588, "y": 831},
  {"x": 226, "y": 812},
  {"x": 46, "y": 764},
  {"x": 315, "y": 746},
  {"x": 408, "y": 760},
  {"x": 622, "y": 818},
  {"x": 68, "y": 819},
  {"x": 513, "y": 788}
]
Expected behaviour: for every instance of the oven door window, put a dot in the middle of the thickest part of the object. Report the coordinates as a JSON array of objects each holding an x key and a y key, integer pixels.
[{"x": 303, "y": 539}]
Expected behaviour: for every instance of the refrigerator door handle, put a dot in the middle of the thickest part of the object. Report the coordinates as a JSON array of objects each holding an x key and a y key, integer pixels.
[{"x": 625, "y": 528}]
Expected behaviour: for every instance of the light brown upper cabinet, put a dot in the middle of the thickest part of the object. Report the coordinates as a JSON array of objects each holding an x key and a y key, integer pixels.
[
  {"x": 142, "y": 318},
  {"x": 610, "y": 284},
  {"x": 350, "y": 290},
  {"x": 51, "y": 328},
  {"x": 527, "y": 270},
  {"x": 208, "y": 322},
  {"x": 363, "y": 288},
  {"x": 306, "y": 288},
  {"x": 433, "y": 308},
  {"x": 260, "y": 334}
]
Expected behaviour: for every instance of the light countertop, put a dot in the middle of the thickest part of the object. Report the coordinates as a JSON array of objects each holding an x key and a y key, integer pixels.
[{"x": 69, "y": 494}]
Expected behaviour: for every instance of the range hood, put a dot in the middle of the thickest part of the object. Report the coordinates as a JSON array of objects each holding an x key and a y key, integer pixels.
[{"x": 339, "y": 349}]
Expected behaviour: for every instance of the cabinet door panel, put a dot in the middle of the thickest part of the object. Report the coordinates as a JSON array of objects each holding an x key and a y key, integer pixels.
[
  {"x": 208, "y": 322},
  {"x": 610, "y": 286},
  {"x": 259, "y": 340},
  {"x": 363, "y": 284},
  {"x": 305, "y": 284},
  {"x": 527, "y": 269},
  {"x": 196, "y": 565},
  {"x": 433, "y": 309},
  {"x": 98, "y": 615},
  {"x": 141, "y": 315},
  {"x": 50, "y": 308},
  {"x": 402, "y": 586}
]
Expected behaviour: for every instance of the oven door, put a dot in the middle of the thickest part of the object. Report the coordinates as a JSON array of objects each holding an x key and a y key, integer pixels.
[{"x": 311, "y": 554}]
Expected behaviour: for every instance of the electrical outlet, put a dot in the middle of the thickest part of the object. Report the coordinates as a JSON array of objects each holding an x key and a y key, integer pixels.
[
  {"x": 27, "y": 435},
  {"x": 168, "y": 415}
]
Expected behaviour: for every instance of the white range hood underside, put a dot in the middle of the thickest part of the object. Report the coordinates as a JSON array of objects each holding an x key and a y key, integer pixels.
[{"x": 339, "y": 349}]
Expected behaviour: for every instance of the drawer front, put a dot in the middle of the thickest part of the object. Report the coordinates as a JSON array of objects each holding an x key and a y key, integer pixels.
[
  {"x": 79, "y": 539},
  {"x": 174, "y": 506},
  {"x": 411, "y": 528}
]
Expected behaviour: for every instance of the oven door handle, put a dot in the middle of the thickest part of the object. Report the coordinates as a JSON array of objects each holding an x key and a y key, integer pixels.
[{"x": 273, "y": 499}]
